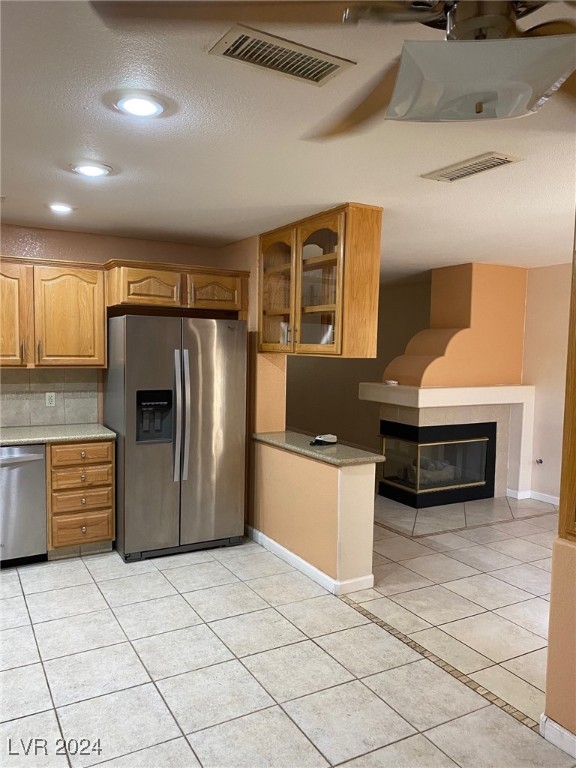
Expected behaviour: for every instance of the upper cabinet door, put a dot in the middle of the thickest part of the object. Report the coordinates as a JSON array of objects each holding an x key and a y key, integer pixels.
[
  {"x": 154, "y": 287},
  {"x": 214, "y": 292},
  {"x": 276, "y": 327},
  {"x": 319, "y": 248},
  {"x": 70, "y": 317},
  {"x": 16, "y": 309}
]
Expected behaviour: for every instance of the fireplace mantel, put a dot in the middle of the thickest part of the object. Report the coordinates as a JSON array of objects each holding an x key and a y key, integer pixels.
[
  {"x": 445, "y": 397},
  {"x": 519, "y": 398}
]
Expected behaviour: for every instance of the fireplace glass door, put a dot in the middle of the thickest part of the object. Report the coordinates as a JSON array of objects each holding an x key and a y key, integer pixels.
[
  {"x": 422, "y": 467},
  {"x": 431, "y": 466}
]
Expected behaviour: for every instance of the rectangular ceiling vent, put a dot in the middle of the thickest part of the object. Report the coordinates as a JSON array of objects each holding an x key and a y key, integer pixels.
[
  {"x": 279, "y": 55},
  {"x": 471, "y": 167}
]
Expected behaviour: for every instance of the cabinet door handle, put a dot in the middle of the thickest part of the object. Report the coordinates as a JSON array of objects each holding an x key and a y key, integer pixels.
[
  {"x": 84, "y": 529},
  {"x": 192, "y": 294},
  {"x": 288, "y": 334},
  {"x": 23, "y": 351},
  {"x": 178, "y": 293},
  {"x": 39, "y": 351}
]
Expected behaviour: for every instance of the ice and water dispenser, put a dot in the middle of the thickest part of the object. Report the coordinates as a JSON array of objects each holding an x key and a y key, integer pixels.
[{"x": 154, "y": 416}]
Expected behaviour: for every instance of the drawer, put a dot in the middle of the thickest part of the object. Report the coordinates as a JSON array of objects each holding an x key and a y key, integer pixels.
[
  {"x": 70, "y": 530},
  {"x": 81, "y": 500},
  {"x": 81, "y": 477},
  {"x": 81, "y": 453}
]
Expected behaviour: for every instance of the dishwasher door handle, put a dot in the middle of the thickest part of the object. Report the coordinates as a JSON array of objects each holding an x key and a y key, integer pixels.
[{"x": 23, "y": 458}]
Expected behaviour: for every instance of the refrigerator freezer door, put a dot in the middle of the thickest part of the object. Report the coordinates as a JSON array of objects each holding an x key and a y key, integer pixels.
[
  {"x": 212, "y": 502},
  {"x": 148, "y": 487}
]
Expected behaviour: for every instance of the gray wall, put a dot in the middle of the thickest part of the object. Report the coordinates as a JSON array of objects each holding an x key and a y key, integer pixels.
[{"x": 322, "y": 393}]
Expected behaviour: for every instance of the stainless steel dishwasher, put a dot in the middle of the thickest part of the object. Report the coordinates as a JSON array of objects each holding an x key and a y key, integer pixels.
[{"x": 22, "y": 501}]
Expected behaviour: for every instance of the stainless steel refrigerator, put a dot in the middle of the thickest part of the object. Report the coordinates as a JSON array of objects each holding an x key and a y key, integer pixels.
[{"x": 175, "y": 394}]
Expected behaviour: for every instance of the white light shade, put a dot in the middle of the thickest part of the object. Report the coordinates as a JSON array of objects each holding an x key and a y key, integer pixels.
[
  {"x": 479, "y": 79},
  {"x": 93, "y": 170},
  {"x": 140, "y": 106},
  {"x": 60, "y": 208}
]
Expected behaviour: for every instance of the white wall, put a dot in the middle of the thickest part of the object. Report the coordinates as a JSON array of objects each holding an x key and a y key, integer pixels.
[
  {"x": 545, "y": 350},
  {"x": 322, "y": 393}
]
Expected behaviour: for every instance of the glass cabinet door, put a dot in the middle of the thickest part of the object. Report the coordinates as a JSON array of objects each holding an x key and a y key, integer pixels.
[
  {"x": 277, "y": 292},
  {"x": 318, "y": 295}
]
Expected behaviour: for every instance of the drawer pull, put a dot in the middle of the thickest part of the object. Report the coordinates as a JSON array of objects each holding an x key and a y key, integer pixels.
[
  {"x": 83, "y": 454},
  {"x": 83, "y": 477},
  {"x": 83, "y": 529},
  {"x": 82, "y": 501}
]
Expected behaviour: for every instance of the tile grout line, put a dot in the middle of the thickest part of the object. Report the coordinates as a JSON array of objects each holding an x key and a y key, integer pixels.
[
  {"x": 235, "y": 657},
  {"x": 466, "y": 527},
  {"x": 366, "y": 614},
  {"x": 461, "y": 676},
  {"x": 56, "y": 715},
  {"x": 153, "y": 682},
  {"x": 304, "y": 639}
]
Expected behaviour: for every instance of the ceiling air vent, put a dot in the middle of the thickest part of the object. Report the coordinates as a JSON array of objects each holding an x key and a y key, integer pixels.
[
  {"x": 279, "y": 55},
  {"x": 471, "y": 166}
]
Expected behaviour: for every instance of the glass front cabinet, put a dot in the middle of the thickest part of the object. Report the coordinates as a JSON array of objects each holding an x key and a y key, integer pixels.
[{"x": 306, "y": 286}]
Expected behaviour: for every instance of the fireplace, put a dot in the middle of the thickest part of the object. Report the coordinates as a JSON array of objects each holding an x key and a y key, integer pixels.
[{"x": 430, "y": 466}]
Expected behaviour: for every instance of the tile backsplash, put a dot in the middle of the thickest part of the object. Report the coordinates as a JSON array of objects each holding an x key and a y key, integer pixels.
[{"x": 23, "y": 396}]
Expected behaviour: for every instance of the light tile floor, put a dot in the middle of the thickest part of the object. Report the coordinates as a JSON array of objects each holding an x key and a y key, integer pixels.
[
  {"x": 230, "y": 658},
  {"x": 482, "y": 588}
]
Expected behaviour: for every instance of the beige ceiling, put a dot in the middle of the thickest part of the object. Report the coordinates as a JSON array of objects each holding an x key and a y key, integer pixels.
[{"x": 233, "y": 159}]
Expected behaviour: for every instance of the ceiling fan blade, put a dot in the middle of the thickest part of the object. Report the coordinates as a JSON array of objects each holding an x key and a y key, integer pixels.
[
  {"x": 559, "y": 27},
  {"x": 373, "y": 102},
  {"x": 118, "y": 12},
  {"x": 122, "y": 12}
]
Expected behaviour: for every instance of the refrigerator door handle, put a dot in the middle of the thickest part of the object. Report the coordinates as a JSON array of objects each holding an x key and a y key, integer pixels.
[
  {"x": 178, "y": 440},
  {"x": 187, "y": 397}
]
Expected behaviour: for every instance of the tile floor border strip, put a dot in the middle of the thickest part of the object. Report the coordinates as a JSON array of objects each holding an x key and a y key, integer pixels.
[{"x": 522, "y": 717}]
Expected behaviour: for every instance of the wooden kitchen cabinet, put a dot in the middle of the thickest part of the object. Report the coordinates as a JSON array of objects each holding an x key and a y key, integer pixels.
[
  {"x": 144, "y": 286},
  {"x": 319, "y": 283},
  {"x": 51, "y": 315},
  {"x": 175, "y": 285},
  {"x": 214, "y": 291},
  {"x": 69, "y": 317},
  {"x": 80, "y": 480},
  {"x": 16, "y": 314}
]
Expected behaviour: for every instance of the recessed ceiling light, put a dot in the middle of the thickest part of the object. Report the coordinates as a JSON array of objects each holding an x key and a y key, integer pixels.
[
  {"x": 140, "y": 106},
  {"x": 60, "y": 208},
  {"x": 93, "y": 170}
]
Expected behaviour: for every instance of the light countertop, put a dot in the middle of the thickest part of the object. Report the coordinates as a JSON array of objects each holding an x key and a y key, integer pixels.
[
  {"x": 338, "y": 454},
  {"x": 60, "y": 433}
]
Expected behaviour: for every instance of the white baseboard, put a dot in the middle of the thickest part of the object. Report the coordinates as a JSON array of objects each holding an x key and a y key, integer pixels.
[
  {"x": 533, "y": 495},
  {"x": 517, "y": 494},
  {"x": 332, "y": 585},
  {"x": 557, "y": 735}
]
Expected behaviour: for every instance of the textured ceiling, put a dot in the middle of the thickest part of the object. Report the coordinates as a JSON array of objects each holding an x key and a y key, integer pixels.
[{"x": 232, "y": 158}]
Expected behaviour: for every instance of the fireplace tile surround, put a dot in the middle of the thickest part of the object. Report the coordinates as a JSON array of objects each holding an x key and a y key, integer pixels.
[{"x": 510, "y": 407}]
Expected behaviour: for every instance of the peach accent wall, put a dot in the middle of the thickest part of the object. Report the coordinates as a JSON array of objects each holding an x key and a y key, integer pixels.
[
  {"x": 33, "y": 243},
  {"x": 561, "y": 670},
  {"x": 477, "y": 328},
  {"x": 243, "y": 255},
  {"x": 545, "y": 350},
  {"x": 296, "y": 503}
]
